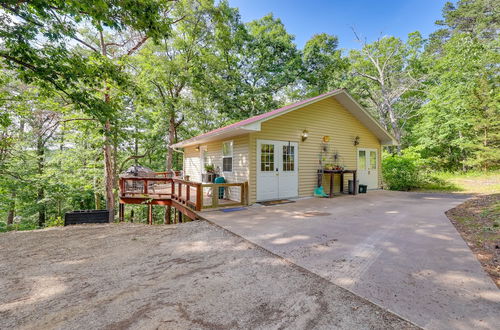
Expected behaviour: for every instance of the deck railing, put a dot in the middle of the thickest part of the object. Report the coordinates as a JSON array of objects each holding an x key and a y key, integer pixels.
[{"x": 195, "y": 195}]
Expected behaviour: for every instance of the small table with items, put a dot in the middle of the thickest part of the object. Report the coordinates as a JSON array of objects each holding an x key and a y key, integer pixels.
[{"x": 341, "y": 172}]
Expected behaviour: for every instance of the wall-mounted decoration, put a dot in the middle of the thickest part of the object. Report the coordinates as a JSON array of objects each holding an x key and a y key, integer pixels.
[{"x": 326, "y": 139}]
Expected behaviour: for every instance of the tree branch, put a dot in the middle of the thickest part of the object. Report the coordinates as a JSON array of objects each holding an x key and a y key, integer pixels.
[{"x": 138, "y": 45}]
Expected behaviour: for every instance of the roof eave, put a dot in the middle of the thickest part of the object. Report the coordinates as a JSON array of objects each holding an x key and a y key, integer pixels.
[{"x": 216, "y": 136}]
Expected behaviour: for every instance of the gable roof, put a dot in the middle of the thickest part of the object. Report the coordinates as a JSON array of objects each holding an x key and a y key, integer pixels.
[{"x": 252, "y": 124}]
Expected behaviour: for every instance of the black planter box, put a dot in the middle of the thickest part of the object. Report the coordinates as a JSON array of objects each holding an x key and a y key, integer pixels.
[{"x": 86, "y": 216}]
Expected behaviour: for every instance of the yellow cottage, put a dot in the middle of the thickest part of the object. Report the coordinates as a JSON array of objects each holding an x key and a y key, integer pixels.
[{"x": 280, "y": 152}]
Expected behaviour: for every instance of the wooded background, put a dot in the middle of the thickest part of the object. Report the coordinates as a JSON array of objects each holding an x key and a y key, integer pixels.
[{"x": 89, "y": 87}]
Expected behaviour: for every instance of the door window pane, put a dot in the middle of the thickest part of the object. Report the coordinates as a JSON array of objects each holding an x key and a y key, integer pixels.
[
  {"x": 288, "y": 158},
  {"x": 373, "y": 160},
  {"x": 362, "y": 160},
  {"x": 267, "y": 157}
]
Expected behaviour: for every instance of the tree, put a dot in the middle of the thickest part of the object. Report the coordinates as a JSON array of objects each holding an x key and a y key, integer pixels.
[
  {"x": 324, "y": 67},
  {"x": 40, "y": 39},
  {"x": 388, "y": 70},
  {"x": 251, "y": 65},
  {"x": 459, "y": 124},
  {"x": 167, "y": 70}
]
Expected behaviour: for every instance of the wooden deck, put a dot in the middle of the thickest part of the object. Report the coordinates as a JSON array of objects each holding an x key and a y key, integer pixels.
[{"x": 187, "y": 197}]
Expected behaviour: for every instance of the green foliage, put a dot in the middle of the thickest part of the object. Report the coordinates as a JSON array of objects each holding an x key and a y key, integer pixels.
[
  {"x": 324, "y": 67},
  {"x": 56, "y": 222},
  {"x": 402, "y": 172},
  {"x": 24, "y": 225},
  {"x": 459, "y": 125},
  {"x": 39, "y": 37},
  {"x": 251, "y": 67}
]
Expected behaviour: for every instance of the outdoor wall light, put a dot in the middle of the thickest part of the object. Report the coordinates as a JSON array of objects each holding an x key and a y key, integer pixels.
[
  {"x": 305, "y": 135},
  {"x": 197, "y": 148},
  {"x": 356, "y": 140}
]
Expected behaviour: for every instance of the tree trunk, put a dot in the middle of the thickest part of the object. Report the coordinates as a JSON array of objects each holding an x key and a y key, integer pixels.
[
  {"x": 108, "y": 156},
  {"x": 97, "y": 200},
  {"x": 40, "y": 152},
  {"x": 12, "y": 209},
  {"x": 109, "y": 173},
  {"x": 171, "y": 139},
  {"x": 394, "y": 123}
]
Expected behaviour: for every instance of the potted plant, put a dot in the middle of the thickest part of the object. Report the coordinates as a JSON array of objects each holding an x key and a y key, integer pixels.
[
  {"x": 328, "y": 167},
  {"x": 209, "y": 168},
  {"x": 210, "y": 174}
]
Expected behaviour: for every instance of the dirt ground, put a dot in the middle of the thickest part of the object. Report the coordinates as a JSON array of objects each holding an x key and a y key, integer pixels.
[
  {"x": 192, "y": 275},
  {"x": 478, "y": 221}
]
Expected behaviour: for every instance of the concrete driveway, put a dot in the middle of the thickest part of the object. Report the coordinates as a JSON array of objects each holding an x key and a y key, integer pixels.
[{"x": 396, "y": 249}]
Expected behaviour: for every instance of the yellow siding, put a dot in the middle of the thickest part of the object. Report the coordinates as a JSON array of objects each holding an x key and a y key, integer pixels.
[{"x": 326, "y": 117}]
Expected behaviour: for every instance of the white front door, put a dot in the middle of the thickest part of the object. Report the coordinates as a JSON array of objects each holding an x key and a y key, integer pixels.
[
  {"x": 368, "y": 167},
  {"x": 277, "y": 172}
]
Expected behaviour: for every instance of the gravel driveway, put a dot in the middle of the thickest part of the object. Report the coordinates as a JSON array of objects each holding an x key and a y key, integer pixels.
[
  {"x": 187, "y": 276},
  {"x": 396, "y": 249}
]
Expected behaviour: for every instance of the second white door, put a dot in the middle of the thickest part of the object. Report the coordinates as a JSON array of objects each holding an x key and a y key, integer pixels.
[
  {"x": 277, "y": 169},
  {"x": 368, "y": 167}
]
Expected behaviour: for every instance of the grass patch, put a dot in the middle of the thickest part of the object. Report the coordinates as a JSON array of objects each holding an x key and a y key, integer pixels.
[{"x": 468, "y": 182}]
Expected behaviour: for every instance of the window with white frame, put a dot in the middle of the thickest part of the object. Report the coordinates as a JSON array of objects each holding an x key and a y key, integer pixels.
[{"x": 227, "y": 156}]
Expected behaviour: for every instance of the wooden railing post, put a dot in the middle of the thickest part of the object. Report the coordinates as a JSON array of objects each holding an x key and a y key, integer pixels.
[
  {"x": 145, "y": 187},
  {"x": 199, "y": 197},
  {"x": 215, "y": 195},
  {"x": 246, "y": 192},
  {"x": 242, "y": 194},
  {"x": 188, "y": 192}
]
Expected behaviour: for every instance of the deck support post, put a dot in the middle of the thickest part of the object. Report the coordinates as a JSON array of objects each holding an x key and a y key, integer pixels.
[
  {"x": 150, "y": 214},
  {"x": 121, "y": 212},
  {"x": 168, "y": 212},
  {"x": 132, "y": 215},
  {"x": 180, "y": 216}
]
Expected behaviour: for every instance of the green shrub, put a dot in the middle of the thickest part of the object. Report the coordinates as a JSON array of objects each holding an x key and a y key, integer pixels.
[
  {"x": 402, "y": 172},
  {"x": 24, "y": 225},
  {"x": 58, "y": 221}
]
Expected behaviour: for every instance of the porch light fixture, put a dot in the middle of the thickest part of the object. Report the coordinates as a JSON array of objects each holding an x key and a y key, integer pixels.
[
  {"x": 197, "y": 148},
  {"x": 356, "y": 140},
  {"x": 305, "y": 135}
]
